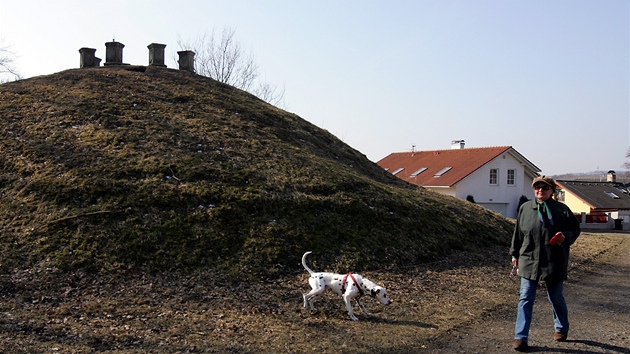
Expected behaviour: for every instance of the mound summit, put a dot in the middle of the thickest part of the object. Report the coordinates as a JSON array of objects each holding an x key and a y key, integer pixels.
[{"x": 132, "y": 167}]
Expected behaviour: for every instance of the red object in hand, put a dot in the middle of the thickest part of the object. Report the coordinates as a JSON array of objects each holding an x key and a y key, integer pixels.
[{"x": 557, "y": 238}]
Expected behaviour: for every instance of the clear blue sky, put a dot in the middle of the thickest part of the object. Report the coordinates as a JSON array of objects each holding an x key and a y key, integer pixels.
[{"x": 550, "y": 78}]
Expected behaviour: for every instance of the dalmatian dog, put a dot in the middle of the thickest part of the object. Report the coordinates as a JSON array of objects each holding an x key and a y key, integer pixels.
[{"x": 349, "y": 286}]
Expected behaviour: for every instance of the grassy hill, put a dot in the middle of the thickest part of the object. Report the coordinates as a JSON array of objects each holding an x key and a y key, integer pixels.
[{"x": 121, "y": 168}]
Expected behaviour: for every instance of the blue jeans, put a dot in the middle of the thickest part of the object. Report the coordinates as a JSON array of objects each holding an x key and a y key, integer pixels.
[{"x": 526, "y": 308}]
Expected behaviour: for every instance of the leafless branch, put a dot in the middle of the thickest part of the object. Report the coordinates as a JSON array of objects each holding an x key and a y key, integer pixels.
[
  {"x": 224, "y": 60},
  {"x": 269, "y": 94},
  {"x": 7, "y": 68}
]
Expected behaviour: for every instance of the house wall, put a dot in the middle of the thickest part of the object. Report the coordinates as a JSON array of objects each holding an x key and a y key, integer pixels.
[
  {"x": 625, "y": 216},
  {"x": 575, "y": 204},
  {"x": 502, "y": 197},
  {"x": 448, "y": 191},
  {"x": 621, "y": 214}
]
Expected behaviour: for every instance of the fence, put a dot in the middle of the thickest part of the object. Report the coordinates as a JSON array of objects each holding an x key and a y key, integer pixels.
[{"x": 601, "y": 222}]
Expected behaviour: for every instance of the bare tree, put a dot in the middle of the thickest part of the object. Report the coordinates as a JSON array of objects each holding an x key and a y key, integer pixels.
[
  {"x": 224, "y": 60},
  {"x": 7, "y": 70},
  {"x": 269, "y": 93},
  {"x": 627, "y": 163}
]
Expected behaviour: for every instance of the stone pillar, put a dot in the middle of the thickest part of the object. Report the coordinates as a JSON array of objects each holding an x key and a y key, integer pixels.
[
  {"x": 156, "y": 54},
  {"x": 114, "y": 53},
  {"x": 186, "y": 60},
  {"x": 88, "y": 58}
]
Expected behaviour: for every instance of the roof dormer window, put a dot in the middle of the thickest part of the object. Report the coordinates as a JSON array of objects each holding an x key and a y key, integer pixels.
[
  {"x": 398, "y": 171},
  {"x": 612, "y": 195},
  {"x": 442, "y": 171},
  {"x": 418, "y": 172}
]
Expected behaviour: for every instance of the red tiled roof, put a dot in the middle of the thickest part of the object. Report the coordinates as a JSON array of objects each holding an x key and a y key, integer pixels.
[{"x": 463, "y": 163}]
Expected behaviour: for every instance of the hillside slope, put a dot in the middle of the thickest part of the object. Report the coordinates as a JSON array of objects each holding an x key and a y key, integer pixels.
[{"x": 126, "y": 167}]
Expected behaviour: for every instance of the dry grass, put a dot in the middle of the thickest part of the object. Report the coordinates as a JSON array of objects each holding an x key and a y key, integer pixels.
[
  {"x": 151, "y": 210},
  {"x": 43, "y": 311},
  {"x": 126, "y": 168}
]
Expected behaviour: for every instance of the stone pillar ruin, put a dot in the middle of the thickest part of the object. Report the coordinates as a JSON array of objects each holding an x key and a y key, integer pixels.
[
  {"x": 156, "y": 54},
  {"x": 186, "y": 60},
  {"x": 88, "y": 58},
  {"x": 114, "y": 53}
]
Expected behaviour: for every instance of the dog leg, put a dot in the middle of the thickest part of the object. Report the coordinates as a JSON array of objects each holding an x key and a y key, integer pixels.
[
  {"x": 362, "y": 307},
  {"x": 312, "y": 300},
  {"x": 347, "y": 299},
  {"x": 306, "y": 302},
  {"x": 317, "y": 289},
  {"x": 309, "y": 300}
]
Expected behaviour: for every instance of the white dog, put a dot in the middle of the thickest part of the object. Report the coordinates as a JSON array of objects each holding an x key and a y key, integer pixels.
[{"x": 349, "y": 286}]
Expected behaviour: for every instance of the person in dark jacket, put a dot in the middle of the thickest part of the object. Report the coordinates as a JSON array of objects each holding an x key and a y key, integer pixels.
[{"x": 544, "y": 231}]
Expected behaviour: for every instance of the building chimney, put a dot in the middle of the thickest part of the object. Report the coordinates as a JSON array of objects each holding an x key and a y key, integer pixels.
[
  {"x": 88, "y": 58},
  {"x": 611, "y": 177},
  {"x": 186, "y": 60},
  {"x": 114, "y": 53},
  {"x": 457, "y": 144},
  {"x": 156, "y": 54}
]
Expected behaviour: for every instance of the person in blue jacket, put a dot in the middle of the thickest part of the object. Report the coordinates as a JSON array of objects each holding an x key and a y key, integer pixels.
[{"x": 545, "y": 229}]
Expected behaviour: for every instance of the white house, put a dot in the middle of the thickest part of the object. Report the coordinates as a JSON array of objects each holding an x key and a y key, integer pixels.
[{"x": 495, "y": 177}]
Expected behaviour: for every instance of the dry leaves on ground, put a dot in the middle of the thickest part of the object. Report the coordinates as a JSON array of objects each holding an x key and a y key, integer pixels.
[{"x": 44, "y": 311}]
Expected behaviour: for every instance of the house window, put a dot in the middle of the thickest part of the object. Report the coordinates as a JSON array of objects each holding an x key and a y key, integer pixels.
[
  {"x": 560, "y": 196},
  {"x": 494, "y": 176},
  {"x": 511, "y": 175},
  {"x": 418, "y": 172},
  {"x": 398, "y": 171},
  {"x": 442, "y": 171},
  {"x": 612, "y": 195}
]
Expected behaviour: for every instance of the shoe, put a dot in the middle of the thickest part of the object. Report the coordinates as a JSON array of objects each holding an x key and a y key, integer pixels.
[
  {"x": 520, "y": 345},
  {"x": 560, "y": 337}
]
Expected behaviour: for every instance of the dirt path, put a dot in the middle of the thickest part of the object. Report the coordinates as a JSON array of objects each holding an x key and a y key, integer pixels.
[{"x": 599, "y": 312}]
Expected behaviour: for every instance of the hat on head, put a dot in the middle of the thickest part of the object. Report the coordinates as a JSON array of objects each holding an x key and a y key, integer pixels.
[{"x": 546, "y": 180}]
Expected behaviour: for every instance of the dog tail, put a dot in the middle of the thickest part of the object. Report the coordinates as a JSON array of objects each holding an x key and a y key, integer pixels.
[{"x": 304, "y": 262}]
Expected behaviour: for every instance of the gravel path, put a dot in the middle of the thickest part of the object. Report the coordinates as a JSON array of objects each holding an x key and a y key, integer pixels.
[{"x": 599, "y": 312}]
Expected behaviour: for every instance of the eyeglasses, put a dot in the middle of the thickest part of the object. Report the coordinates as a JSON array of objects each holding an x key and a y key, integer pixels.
[{"x": 542, "y": 187}]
